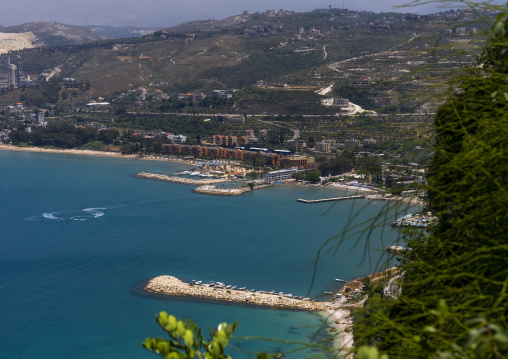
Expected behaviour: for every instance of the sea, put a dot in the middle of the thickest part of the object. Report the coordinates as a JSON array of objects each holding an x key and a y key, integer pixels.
[{"x": 80, "y": 236}]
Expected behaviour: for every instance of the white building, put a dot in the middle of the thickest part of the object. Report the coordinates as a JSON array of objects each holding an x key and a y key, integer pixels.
[
  {"x": 178, "y": 138},
  {"x": 280, "y": 174},
  {"x": 323, "y": 146},
  {"x": 96, "y": 105}
]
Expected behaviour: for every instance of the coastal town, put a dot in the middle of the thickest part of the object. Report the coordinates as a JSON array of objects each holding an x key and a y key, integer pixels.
[{"x": 310, "y": 151}]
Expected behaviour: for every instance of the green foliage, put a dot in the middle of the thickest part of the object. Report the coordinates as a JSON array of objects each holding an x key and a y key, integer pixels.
[
  {"x": 454, "y": 300},
  {"x": 299, "y": 176},
  {"x": 186, "y": 340},
  {"x": 341, "y": 163},
  {"x": 313, "y": 176},
  {"x": 369, "y": 352}
]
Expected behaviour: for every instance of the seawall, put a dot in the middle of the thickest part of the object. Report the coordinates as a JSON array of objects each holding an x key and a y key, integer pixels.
[
  {"x": 208, "y": 189},
  {"x": 164, "y": 178},
  {"x": 172, "y": 286}
]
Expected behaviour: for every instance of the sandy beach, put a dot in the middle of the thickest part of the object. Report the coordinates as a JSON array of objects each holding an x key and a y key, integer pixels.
[
  {"x": 63, "y": 151},
  {"x": 6, "y": 147}
]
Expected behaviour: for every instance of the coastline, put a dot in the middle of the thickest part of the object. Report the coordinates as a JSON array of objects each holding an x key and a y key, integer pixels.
[
  {"x": 4, "y": 147},
  {"x": 366, "y": 191},
  {"x": 340, "y": 319},
  {"x": 341, "y": 323}
]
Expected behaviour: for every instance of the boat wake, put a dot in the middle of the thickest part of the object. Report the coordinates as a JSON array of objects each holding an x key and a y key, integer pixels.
[
  {"x": 96, "y": 212},
  {"x": 92, "y": 212},
  {"x": 89, "y": 213},
  {"x": 50, "y": 216}
]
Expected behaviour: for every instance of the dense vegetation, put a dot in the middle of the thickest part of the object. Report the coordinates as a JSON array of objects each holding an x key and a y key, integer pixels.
[{"x": 454, "y": 297}]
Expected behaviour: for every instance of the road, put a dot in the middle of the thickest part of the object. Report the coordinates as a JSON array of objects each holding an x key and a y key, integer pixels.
[
  {"x": 296, "y": 132},
  {"x": 336, "y": 64}
]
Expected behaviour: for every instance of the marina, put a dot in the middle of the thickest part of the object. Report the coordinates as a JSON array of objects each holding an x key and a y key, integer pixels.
[
  {"x": 413, "y": 220},
  {"x": 219, "y": 291}
]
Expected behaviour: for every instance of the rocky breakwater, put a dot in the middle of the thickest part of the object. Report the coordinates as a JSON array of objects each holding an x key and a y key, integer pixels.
[
  {"x": 172, "y": 286},
  {"x": 192, "y": 182},
  {"x": 209, "y": 189}
]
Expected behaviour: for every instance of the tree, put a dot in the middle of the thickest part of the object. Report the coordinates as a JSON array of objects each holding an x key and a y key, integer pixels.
[
  {"x": 313, "y": 176},
  {"x": 258, "y": 160},
  {"x": 299, "y": 176},
  {"x": 108, "y": 136},
  {"x": 19, "y": 136}
]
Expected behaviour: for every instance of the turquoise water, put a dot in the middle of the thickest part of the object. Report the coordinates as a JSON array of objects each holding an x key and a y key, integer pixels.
[{"x": 80, "y": 236}]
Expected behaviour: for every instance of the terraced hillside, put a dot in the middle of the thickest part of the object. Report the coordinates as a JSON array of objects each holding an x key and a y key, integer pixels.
[{"x": 399, "y": 54}]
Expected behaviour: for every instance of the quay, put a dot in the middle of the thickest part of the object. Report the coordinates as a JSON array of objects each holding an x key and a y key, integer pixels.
[
  {"x": 172, "y": 286},
  {"x": 180, "y": 180},
  {"x": 328, "y": 199}
]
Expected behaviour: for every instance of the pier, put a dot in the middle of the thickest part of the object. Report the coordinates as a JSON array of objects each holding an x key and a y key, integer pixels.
[
  {"x": 188, "y": 181},
  {"x": 172, "y": 286},
  {"x": 329, "y": 199}
]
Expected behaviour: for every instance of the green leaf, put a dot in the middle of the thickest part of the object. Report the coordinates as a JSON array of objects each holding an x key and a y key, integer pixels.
[
  {"x": 163, "y": 317},
  {"x": 429, "y": 329},
  {"x": 368, "y": 352},
  {"x": 171, "y": 323},
  {"x": 163, "y": 347},
  {"x": 221, "y": 338},
  {"x": 215, "y": 349},
  {"x": 188, "y": 337},
  {"x": 180, "y": 329},
  {"x": 442, "y": 310},
  {"x": 172, "y": 355}
]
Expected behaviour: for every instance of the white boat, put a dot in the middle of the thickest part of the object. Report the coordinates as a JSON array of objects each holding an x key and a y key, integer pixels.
[{"x": 194, "y": 173}]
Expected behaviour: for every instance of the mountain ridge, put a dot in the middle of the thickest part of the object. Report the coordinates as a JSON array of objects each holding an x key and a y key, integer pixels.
[{"x": 54, "y": 33}]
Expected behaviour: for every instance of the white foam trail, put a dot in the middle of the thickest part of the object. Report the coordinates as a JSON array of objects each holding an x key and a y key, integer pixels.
[
  {"x": 95, "y": 211},
  {"x": 50, "y": 215}
]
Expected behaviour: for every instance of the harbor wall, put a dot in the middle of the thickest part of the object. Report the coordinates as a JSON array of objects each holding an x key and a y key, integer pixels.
[
  {"x": 180, "y": 180},
  {"x": 172, "y": 286}
]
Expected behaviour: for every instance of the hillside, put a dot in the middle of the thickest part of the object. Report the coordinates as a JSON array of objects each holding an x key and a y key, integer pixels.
[
  {"x": 118, "y": 32},
  {"x": 210, "y": 25},
  {"x": 398, "y": 55},
  {"x": 54, "y": 34}
]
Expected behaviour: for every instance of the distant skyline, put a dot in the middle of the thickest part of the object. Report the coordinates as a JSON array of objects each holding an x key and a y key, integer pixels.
[{"x": 163, "y": 13}]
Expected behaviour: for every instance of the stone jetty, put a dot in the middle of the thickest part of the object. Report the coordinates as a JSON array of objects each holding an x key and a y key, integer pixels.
[
  {"x": 209, "y": 189},
  {"x": 172, "y": 286},
  {"x": 192, "y": 182}
]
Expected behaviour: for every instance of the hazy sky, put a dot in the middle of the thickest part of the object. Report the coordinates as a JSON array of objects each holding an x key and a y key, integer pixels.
[{"x": 162, "y": 13}]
